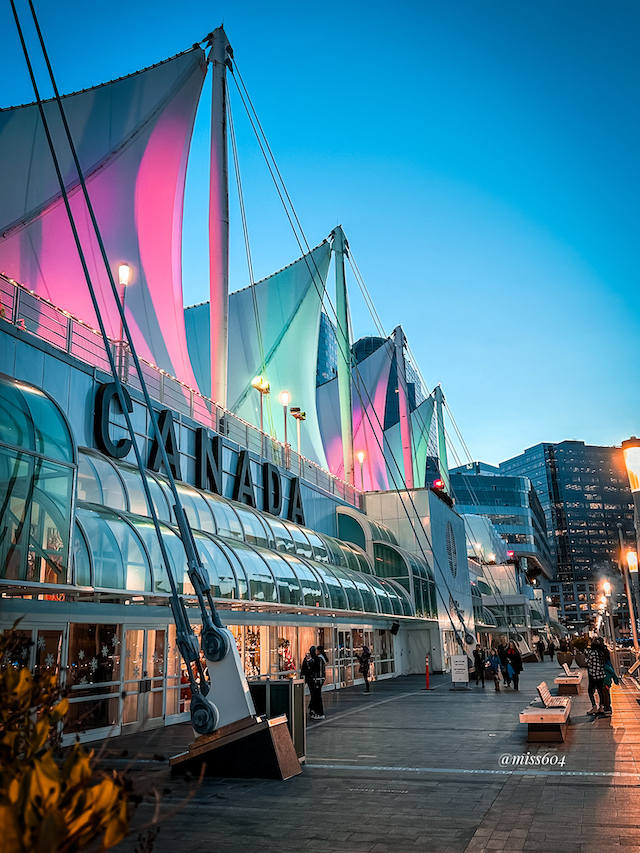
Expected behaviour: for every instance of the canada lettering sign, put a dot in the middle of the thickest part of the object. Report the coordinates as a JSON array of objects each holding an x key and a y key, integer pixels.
[{"x": 208, "y": 474}]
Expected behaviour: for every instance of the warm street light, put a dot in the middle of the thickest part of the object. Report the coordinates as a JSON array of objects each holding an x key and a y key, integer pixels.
[
  {"x": 361, "y": 461},
  {"x": 631, "y": 453},
  {"x": 124, "y": 276},
  {"x": 606, "y": 586},
  {"x": 632, "y": 561},
  {"x": 261, "y": 385}
]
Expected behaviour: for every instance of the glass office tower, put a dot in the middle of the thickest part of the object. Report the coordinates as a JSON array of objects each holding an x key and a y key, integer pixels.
[{"x": 584, "y": 492}]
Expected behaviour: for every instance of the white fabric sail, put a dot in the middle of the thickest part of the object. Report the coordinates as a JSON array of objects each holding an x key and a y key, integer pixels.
[
  {"x": 288, "y": 311},
  {"x": 132, "y": 136}
]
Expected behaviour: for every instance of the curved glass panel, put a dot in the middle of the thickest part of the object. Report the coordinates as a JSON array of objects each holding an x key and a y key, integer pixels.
[
  {"x": 98, "y": 482},
  {"x": 337, "y": 556},
  {"x": 312, "y": 593},
  {"x": 303, "y": 546},
  {"x": 320, "y": 552},
  {"x": 351, "y": 530},
  {"x": 388, "y": 562},
  {"x": 262, "y": 586},
  {"x": 396, "y": 603},
  {"x": 402, "y": 597},
  {"x": 363, "y": 561},
  {"x": 382, "y": 597},
  {"x": 283, "y": 539},
  {"x": 175, "y": 551},
  {"x": 354, "y": 600},
  {"x": 227, "y": 520},
  {"x": 35, "y": 523},
  {"x": 135, "y": 493},
  {"x": 223, "y": 580},
  {"x": 119, "y": 561},
  {"x": 238, "y": 568},
  {"x": 30, "y": 420},
  {"x": 366, "y": 593},
  {"x": 254, "y": 530},
  {"x": 196, "y": 508},
  {"x": 81, "y": 558},
  {"x": 337, "y": 594},
  {"x": 289, "y": 590}
]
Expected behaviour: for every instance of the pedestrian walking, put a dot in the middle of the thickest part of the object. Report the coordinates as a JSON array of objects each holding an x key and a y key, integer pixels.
[
  {"x": 312, "y": 670},
  {"x": 495, "y": 667},
  {"x": 365, "y": 664},
  {"x": 598, "y": 659},
  {"x": 551, "y": 649},
  {"x": 541, "y": 649},
  {"x": 514, "y": 664},
  {"x": 479, "y": 661},
  {"x": 502, "y": 654}
]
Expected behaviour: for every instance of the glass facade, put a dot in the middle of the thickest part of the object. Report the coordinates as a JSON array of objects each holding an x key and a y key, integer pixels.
[
  {"x": 37, "y": 472},
  {"x": 512, "y": 505},
  {"x": 584, "y": 491}
]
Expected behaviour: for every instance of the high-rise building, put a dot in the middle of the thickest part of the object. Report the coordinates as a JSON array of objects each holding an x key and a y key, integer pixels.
[
  {"x": 584, "y": 492},
  {"x": 512, "y": 505}
]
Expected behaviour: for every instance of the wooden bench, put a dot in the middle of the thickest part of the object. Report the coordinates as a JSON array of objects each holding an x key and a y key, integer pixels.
[
  {"x": 570, "y": 682},
  {"x": 547, "y": 720}
]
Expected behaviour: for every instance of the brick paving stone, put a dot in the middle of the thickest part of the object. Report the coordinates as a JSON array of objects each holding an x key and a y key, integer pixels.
[{"x": 412, "y": 786}]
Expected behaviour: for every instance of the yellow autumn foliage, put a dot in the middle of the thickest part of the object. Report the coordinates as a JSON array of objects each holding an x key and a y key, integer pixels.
[{"x": 49, "y": 805}]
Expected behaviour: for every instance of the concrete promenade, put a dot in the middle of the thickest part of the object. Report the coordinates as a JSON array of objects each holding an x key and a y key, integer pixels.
[{"x": 408, "y": 770}]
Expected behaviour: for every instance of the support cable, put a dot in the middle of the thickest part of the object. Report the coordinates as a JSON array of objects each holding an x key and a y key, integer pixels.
[{"x": 214, "y": 641}]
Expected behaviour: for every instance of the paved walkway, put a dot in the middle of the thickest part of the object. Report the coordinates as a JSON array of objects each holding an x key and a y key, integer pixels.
[{"x": 408, "y": 770}]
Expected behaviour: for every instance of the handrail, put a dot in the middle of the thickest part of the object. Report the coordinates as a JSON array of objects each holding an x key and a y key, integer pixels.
[{"x": 29, "y": 312}]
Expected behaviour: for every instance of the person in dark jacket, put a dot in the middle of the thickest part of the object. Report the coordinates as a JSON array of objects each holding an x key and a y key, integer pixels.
[
  {"x": 541, "y": 649},
  {"x": 311, "y": 671},
  {"x": 502, "y": 654},
  {"x": 365, "y": 666},
  {"x": 495, "y": 668},
  {"x": 598, "y": 658},
  {"x": 479, "y": 659},
  {"x": 514, "y": 664},
  {"x": 551, "y": 649}
]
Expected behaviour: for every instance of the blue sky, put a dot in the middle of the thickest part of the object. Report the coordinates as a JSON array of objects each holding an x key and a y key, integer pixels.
[{"x": 481, "y": 156}]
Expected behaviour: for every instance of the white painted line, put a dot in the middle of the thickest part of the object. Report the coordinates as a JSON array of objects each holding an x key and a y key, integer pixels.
[{"x": 448, "y": 770}]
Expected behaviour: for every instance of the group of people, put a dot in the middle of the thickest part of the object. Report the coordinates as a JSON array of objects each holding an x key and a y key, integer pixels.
[
  {"x": 504, "y": 662},
  {"x": 549, "y": 649},
  {"x": 313, "y": 670}
]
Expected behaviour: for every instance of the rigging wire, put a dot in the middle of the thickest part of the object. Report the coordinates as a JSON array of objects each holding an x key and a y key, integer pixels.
[
  {"x": 252, "y": 284},
  {"x": 292, "y": 216},
  {"x": 186, "y": 639}
]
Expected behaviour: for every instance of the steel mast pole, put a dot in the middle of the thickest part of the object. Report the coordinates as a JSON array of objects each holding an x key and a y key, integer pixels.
[
  {"x": 403, "y": 405},
  {"x": 340, "y": 248},
  {"x": 219, "y": 57}
]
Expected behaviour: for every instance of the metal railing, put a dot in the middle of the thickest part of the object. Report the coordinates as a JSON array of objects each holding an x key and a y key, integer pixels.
[{"x": 31, "y": 313}]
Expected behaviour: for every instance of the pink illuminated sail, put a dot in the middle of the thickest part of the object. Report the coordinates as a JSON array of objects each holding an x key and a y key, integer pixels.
[{"x": 132, "y": 136}]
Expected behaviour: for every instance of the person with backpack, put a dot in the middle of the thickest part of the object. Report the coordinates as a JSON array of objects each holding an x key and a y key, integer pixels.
[
  {"x": 495, "y": 668},
  {"x": 313, "y": 672},
  {"x": 514, "y": 664},
  {"x": 365, "y": 663},
  {"x": 600, "y": 672}
]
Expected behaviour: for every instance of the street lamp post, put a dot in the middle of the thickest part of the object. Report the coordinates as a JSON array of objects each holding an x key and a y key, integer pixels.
[
  {"x": 606, "y": 586},
  {"x": 299, "y": 416},
  {"x": 361, "y": 461},
  {"x": 625, "y": 575},
  {"x": 632, "y": 564},
  {"x": 284, "y": 399},
  {"x": 262, "y": 386},
  {"x": 124, "y": 272}
]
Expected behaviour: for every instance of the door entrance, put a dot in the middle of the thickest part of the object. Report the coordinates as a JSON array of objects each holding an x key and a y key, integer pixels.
[{"x": 144, "y": 679}]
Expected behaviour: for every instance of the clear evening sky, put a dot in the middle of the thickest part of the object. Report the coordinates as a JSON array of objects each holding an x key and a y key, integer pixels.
[{"x": 481, "y": 155}]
